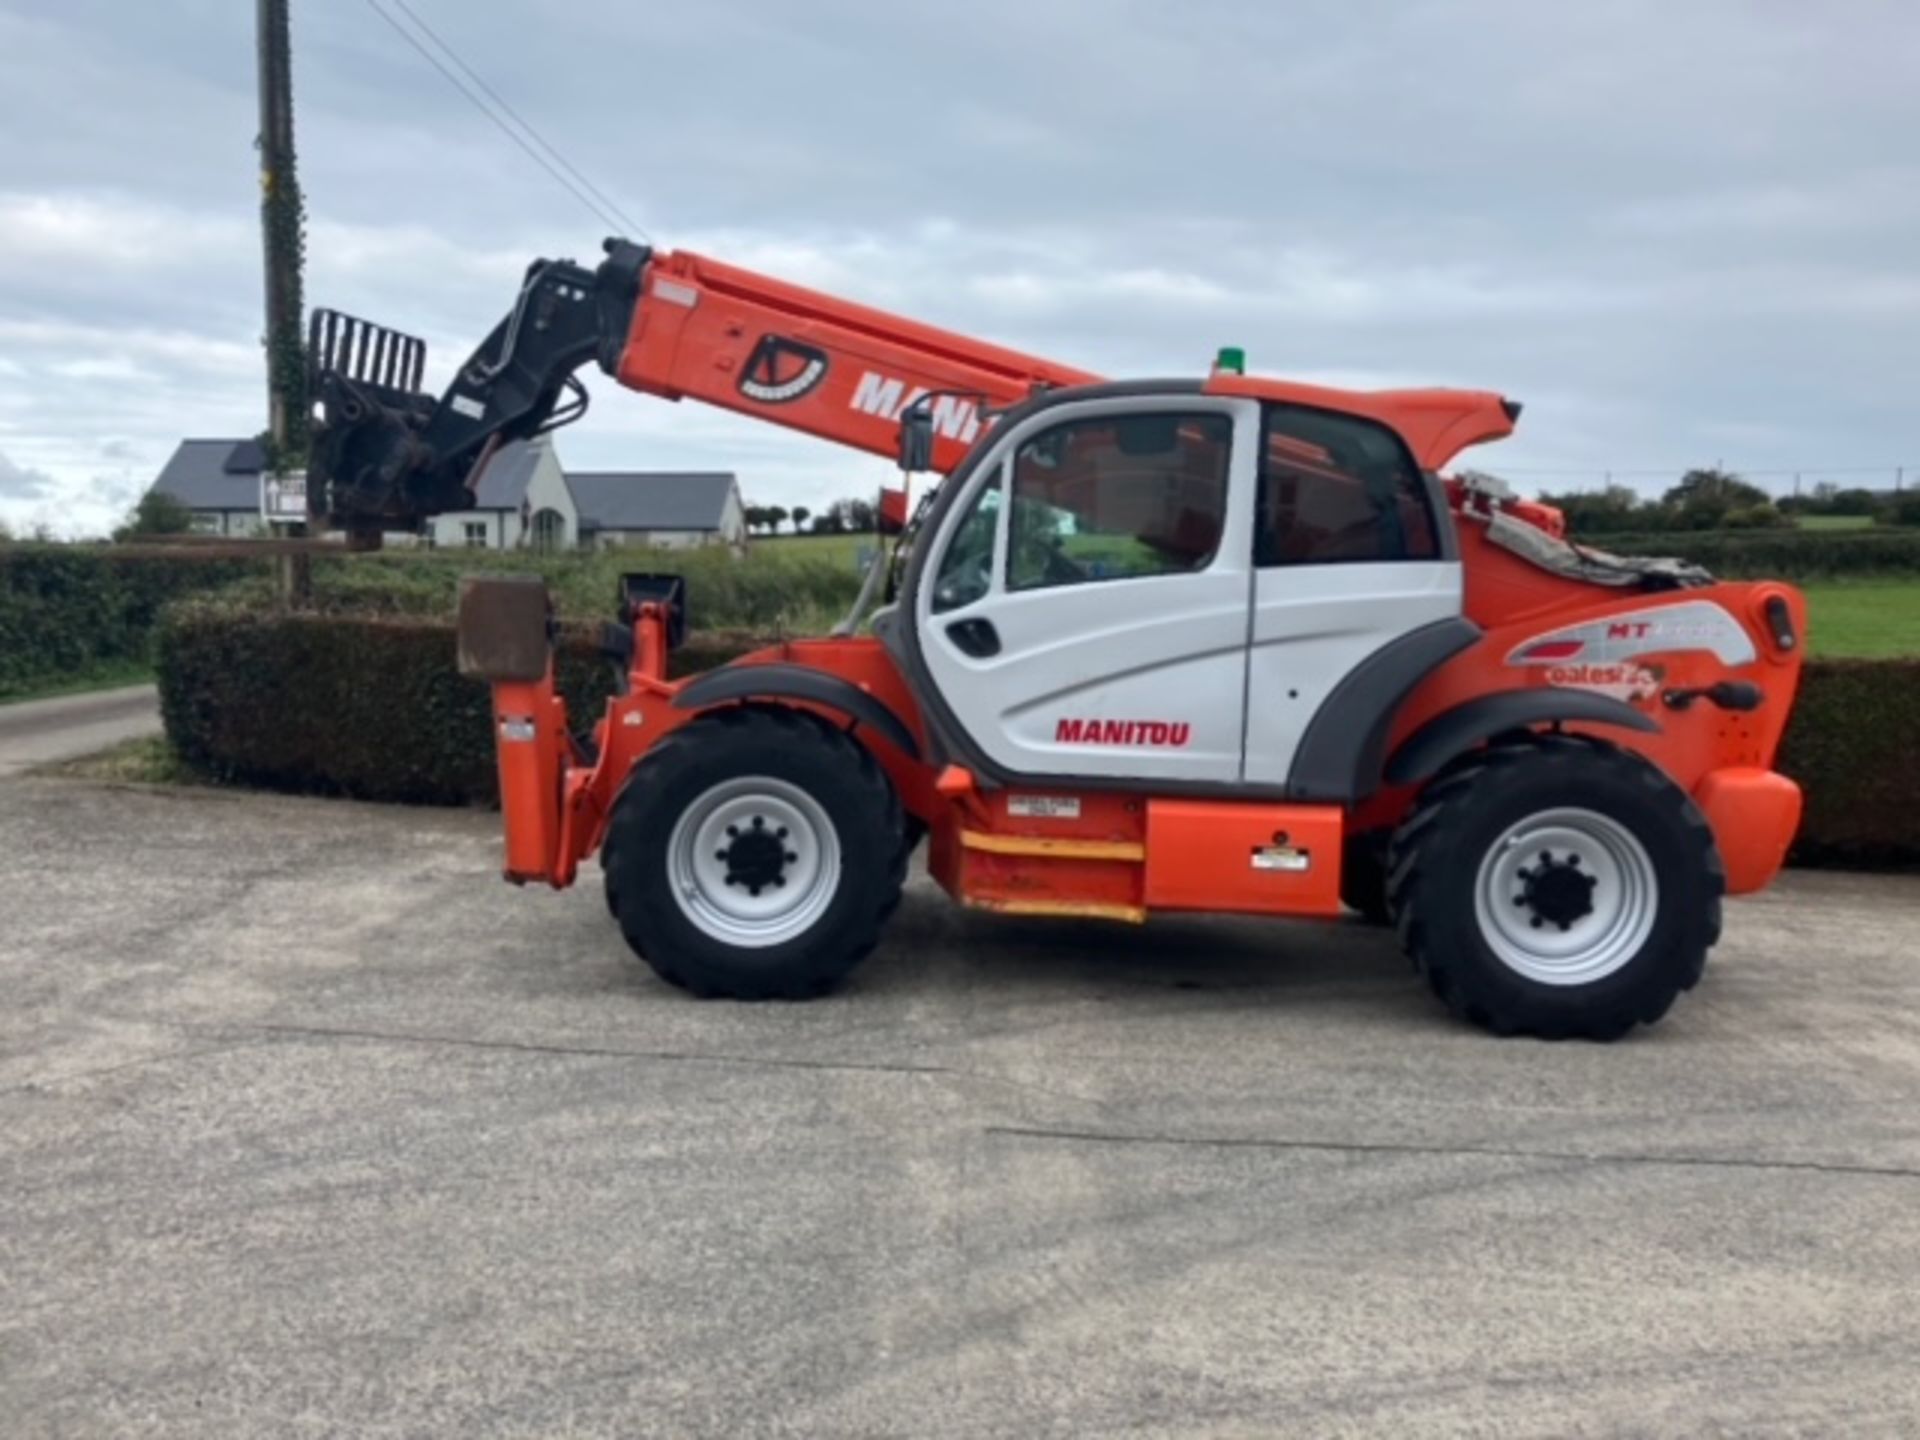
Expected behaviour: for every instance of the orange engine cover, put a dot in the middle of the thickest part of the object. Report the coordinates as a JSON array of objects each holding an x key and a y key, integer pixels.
[{"x": 1257, "y": 859}]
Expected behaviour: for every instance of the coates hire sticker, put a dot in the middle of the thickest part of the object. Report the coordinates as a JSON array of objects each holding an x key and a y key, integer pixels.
[{"x": 1604, "y": 655}]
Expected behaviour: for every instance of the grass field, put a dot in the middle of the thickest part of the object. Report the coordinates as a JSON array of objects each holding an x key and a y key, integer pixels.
[
  {"x": 1865, "y": 618},
  {"x": 1835, "y": 522},
  {"x": 840, "y": 549}
]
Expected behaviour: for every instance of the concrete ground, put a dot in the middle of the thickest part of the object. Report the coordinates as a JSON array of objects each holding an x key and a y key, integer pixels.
[
  {"x": 310, "y": 1126},
  {"x": 39, "y": 732}
]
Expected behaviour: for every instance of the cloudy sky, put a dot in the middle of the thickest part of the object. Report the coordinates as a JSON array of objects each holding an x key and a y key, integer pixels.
[{"x": 1680, "y": 232}]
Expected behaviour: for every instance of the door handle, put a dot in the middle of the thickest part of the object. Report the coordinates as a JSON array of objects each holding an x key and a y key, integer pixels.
[{"x": 976, "y": 637}]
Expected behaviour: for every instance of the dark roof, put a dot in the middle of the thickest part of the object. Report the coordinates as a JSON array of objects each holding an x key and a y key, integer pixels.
[
  {"x": 650, "y": 499},
  {"x": 213, "y": 475},
  {"x": 503, "y": 484}
]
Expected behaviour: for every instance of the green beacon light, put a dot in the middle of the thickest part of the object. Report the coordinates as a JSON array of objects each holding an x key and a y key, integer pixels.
[{"x": 1231, "y": 360}]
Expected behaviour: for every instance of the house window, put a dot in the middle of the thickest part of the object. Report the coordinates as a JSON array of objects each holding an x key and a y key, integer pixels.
[
  {"x": 476, "y": 534},
  {"x": 1337, "y": 489},
  {"x": 205, "y": 522},
  {"x": 549, "y": 530}
]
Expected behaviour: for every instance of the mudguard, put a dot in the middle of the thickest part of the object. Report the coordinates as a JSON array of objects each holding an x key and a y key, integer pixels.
[
  {"x": 796, "y": 682},
  {"x": 1453, "y": 731}
]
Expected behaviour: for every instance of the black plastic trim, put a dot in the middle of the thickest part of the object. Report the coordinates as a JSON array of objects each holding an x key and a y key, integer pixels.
[
  {"x": 1340, "y": 754},
  {"x": 1454, "y": 731},
  {"x": 796, "y": 682}
]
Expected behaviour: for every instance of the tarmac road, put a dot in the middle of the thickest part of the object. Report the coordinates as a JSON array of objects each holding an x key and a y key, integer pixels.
[
  {"x": 39, "y": 732},
  {"x": 308, "y": 1125}
]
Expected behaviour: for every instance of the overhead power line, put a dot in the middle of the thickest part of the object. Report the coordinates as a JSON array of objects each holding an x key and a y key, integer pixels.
[
  {"x": 532, "y": 143},
  {"x": 629, "y": 224}
]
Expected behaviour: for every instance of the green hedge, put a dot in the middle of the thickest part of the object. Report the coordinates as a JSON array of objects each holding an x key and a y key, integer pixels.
[
  {"x": 373, "y": 707},
  {"x": 68, "y": 610},
  {"x": 1779, "y": 554},
  {"x": 769, "y": 589},
  {"x": 1852, "y": 745},
  {"x": 367, "y": 706}
]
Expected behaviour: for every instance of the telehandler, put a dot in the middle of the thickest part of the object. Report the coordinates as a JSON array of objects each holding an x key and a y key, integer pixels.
[{"x": 1215, "y": 643}]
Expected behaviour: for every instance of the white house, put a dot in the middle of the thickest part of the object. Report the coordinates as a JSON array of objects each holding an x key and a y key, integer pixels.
[
  {"x": 219, "y": 481},
  {"x": 527, "y": 500},
  {"x": 524, "y": 499}
]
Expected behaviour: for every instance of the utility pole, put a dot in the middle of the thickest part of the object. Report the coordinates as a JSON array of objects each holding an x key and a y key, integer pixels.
[{"x": 283, "y": 238}]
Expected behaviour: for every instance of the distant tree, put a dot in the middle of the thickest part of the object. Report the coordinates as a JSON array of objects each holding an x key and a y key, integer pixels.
[
  {"x": 800, "y": 516},
  {"x": 765, "y": 517},
  {"x": 852, "y": 515},
  {"x": 155, "y": 513},
  {"x": 1903, "y": 509},
  {"x": 1854, "y": 502},
  {"x": 1600, "y": 512},
  {"x": 829, "y": 522},
  {"x": 1704, "y": 498},
  {"x": 1755, "y": 517},
  {"x": 5, "y": 533}
]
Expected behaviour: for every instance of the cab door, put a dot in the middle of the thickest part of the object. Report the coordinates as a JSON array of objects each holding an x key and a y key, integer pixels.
[
  {"x": 1086, "y": 606},
  {"x": 1352, "y": 551}
]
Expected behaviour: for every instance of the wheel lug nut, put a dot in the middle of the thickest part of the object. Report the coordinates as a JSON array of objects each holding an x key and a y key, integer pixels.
[
  {"x": 1573, "y": 860},
  {"x": 792, "y": 859},
  {"x": 759, "y": 823},
  {"x": 1536, "y": 922},
  {"x": 781, "y": 833},
  {"x": 779, "y": 882},
  {"x": 1546, "y": 857},
  {"x": 1519, "y": 899},
  {"x": 721, "y": 856},
  {"x": 733, "y": 830}
]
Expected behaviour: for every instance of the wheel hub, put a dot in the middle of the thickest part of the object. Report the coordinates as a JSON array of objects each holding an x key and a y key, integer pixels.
[
  {"x": 1566, "y": 896},
  {"x": 754, "y": 861},
  {"x": 756, "y": 856},
  {"x": 1556, "y": 890}
]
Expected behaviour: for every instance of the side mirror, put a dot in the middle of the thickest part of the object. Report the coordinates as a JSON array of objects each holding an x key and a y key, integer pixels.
[{"x": 916, "y": 438}]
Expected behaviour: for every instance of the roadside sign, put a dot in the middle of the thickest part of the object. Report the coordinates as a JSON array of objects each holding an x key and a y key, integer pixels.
[{"x": 283, "y": 498}]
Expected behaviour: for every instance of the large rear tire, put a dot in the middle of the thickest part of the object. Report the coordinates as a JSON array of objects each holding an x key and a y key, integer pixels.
[
  {"x": 1556, "y": 886},
  {"x": 754, "y": 854}
]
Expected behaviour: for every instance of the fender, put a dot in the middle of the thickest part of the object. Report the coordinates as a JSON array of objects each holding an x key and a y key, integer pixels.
[
  {"x": 1453, "y": 731},
  {"x": 796, "y": 682},
  {"x": 1340, "y": 754}
]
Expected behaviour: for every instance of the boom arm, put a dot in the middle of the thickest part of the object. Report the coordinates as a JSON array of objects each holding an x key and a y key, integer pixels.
[{"x": 673, "y": 324}]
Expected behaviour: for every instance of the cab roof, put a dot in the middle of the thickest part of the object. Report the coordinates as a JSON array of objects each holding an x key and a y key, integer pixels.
[{"x": 1436, "y": 424}]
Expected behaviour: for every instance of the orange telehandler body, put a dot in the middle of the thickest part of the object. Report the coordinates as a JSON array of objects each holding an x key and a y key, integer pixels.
[{"x": 1066, "y": 705}]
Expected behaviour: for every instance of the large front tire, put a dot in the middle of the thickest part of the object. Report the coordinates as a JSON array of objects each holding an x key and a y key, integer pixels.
[
  {"x": 1556, "y": 886},
  {"x": 754, "y": 854}
]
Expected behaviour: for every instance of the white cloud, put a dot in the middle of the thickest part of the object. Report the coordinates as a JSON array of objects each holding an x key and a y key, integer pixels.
[{"x": 1693, "y": 249}]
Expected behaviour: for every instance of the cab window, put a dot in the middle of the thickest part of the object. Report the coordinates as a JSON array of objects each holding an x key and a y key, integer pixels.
[
  {"x": 1118, "y": 497},
  {"x": 966, "y": 570},
  {"x": 1338, "y": 489}
]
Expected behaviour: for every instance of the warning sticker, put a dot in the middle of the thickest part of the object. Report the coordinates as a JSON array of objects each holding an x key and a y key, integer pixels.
[
  {"x": 1281, "y": 857},
  {"x": 1044, "y": 807}
]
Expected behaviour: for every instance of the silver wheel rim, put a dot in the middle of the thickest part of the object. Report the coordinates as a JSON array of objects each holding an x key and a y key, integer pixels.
[
  {"x": 704, "y": 863},
  {"x": 1555, "y": 947}
]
